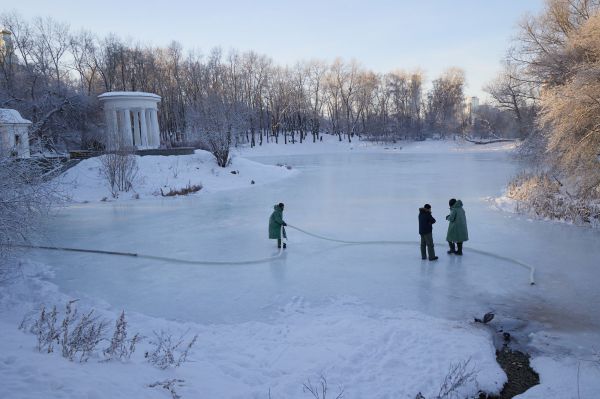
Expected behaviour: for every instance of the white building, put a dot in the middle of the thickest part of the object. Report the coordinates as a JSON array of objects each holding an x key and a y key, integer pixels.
[
  {"x": 131, "y": 119},
  {"x": 472, "y": 105},
  {"x": 14, "y": 134},
  {"x": 6, "y": 46}
]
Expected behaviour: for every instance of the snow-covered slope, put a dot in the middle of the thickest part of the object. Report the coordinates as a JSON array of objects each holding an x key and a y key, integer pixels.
[{"x": 85, "y": 182}]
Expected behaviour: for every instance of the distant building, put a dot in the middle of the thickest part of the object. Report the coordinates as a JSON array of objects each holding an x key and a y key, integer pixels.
[
  {"x": 14, "y": 137},
  {"x": 6, "y": 45},
  {"x": 472, "y": 105}
]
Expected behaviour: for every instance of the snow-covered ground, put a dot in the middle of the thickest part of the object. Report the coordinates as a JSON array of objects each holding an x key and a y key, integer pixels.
[
  {"x": 374, "y": 319},
  {"x": 85, "y": 182},
  {"x": 370, "y": 352}
]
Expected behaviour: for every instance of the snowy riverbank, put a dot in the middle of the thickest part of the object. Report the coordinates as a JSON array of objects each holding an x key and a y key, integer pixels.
[
  {"x": 85, "y": 183},
  {"x": 370, "y": 352}
]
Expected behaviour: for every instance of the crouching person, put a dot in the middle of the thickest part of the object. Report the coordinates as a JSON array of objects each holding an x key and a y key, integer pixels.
[
  {"x": 426, "y": 221},
  {"x": 276, "y": 225}
]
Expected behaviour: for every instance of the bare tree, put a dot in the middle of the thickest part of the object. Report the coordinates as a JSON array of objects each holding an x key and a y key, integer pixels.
[
  {"x": 513, "y": 92},
  {"x": 26, "y": 199},
  {"x": 445, "y": 102}
]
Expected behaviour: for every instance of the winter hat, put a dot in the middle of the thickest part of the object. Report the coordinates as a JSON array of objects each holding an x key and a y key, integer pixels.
[
  {"x": 452, "y": 202},
  {"x": 427, "y": 206},
  {"x": 280, "y": 205}
]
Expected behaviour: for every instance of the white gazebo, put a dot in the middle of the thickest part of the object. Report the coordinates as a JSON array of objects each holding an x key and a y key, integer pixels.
[
  {"x": 131, "y": 119},
  {"x": 14, "y": 134}
]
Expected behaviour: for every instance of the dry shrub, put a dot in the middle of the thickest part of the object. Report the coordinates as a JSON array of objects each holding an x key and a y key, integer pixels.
[
  {"x": 120, "y": 169},
  {"x": 169, "y": 351},
  {"x": 78, "y": 335},
  {"x": 189, "y": 189},
  {"x": 545, "y": 196}
]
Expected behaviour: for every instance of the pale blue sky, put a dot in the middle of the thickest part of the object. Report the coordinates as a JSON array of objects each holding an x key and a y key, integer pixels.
[{"x": 382, "y": 35}]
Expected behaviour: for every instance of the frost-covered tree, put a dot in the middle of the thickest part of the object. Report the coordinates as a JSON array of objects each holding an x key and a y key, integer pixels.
[
  {"x": 445, "y": 102},
  {"x": 558, "y": 53},
  {"x": 512, "y": 91},
  {"x": 25, "y": 200},
  {"x": 570, "y": 110},
  {"x": 214, "y": 124}
]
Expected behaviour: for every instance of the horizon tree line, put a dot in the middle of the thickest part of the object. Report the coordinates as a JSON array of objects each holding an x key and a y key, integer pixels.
[{"x": 52, "y": 75}]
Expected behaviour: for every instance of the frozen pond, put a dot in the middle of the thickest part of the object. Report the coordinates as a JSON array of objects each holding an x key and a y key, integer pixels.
[{"x": 354, "y": 196}]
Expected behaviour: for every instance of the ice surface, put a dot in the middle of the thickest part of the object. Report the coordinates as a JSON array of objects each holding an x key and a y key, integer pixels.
[
  {"x": 323, "y": 307},
  {"x": 356, "y": 196}
]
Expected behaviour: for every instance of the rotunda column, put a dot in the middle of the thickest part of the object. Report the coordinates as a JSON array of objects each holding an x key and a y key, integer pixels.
[
  {"x": 137, "y": 140},
  {"x": 126, "y": 128},
  {"x": 144, "y": 126},
  {"x": 155, "y": 127}
]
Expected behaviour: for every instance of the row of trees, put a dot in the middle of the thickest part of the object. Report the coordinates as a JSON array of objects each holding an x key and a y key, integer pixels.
[
  {"x": 551, "y": 86},
  {"x": 52, "y": 75}
]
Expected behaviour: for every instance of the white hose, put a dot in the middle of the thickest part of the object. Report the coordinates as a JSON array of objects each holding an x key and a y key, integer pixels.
[
  {"x": 160, "y": 258},
  {"x": 470, "y": 249},
  {"x": 271, "y": 258}
]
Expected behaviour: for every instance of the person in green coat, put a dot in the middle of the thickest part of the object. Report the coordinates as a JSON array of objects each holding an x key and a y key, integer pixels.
[
  {"x": 457, "y": 229},
  {"x": 276, "y": 225}
]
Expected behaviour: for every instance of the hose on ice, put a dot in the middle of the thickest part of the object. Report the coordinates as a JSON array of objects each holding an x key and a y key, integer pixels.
[
  {"x": 490, "y": 254},
  {"x": 270, "y": 258},
  {"x": 156, "y": 257}
]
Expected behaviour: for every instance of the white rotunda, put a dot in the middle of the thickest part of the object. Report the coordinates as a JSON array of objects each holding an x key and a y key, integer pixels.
[{"x": 131, "y": 119}]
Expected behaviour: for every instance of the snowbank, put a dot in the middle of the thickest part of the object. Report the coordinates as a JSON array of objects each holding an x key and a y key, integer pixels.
[
  {"x": 370, "y": 352},
  {"x": 565, "y": 378},
  {"x": 86, "y": 183}
]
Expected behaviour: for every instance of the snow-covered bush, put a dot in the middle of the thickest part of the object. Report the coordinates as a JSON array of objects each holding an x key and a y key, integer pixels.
[
  {"x": 169, "y": 351},
  {"x": 46, "y": 330},
  {"x": 545, "y": 196},
  {"x": 319, "y": 390},
  {"x": 78, "y": 334},
  {"x": 120, "y": 346},
  {"x": 87, "y": 332},
  {"x": 459, "y": 374},
  {"x": 120, "y": 169}
]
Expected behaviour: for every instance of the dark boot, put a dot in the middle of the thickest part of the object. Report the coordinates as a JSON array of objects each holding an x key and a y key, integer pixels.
[
  {"x": 284, "y": 245},
  {"x": 459, "y": 252},
  {"x": 279, "y": 243},
  {"x": 452, "y": 248}
]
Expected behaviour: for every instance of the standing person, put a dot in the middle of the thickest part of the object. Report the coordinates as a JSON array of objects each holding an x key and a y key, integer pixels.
[
  {"x": 276, "y": 224},
  {"x": 457, "y": 229},
  {"x": 426, "y": 222}
]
